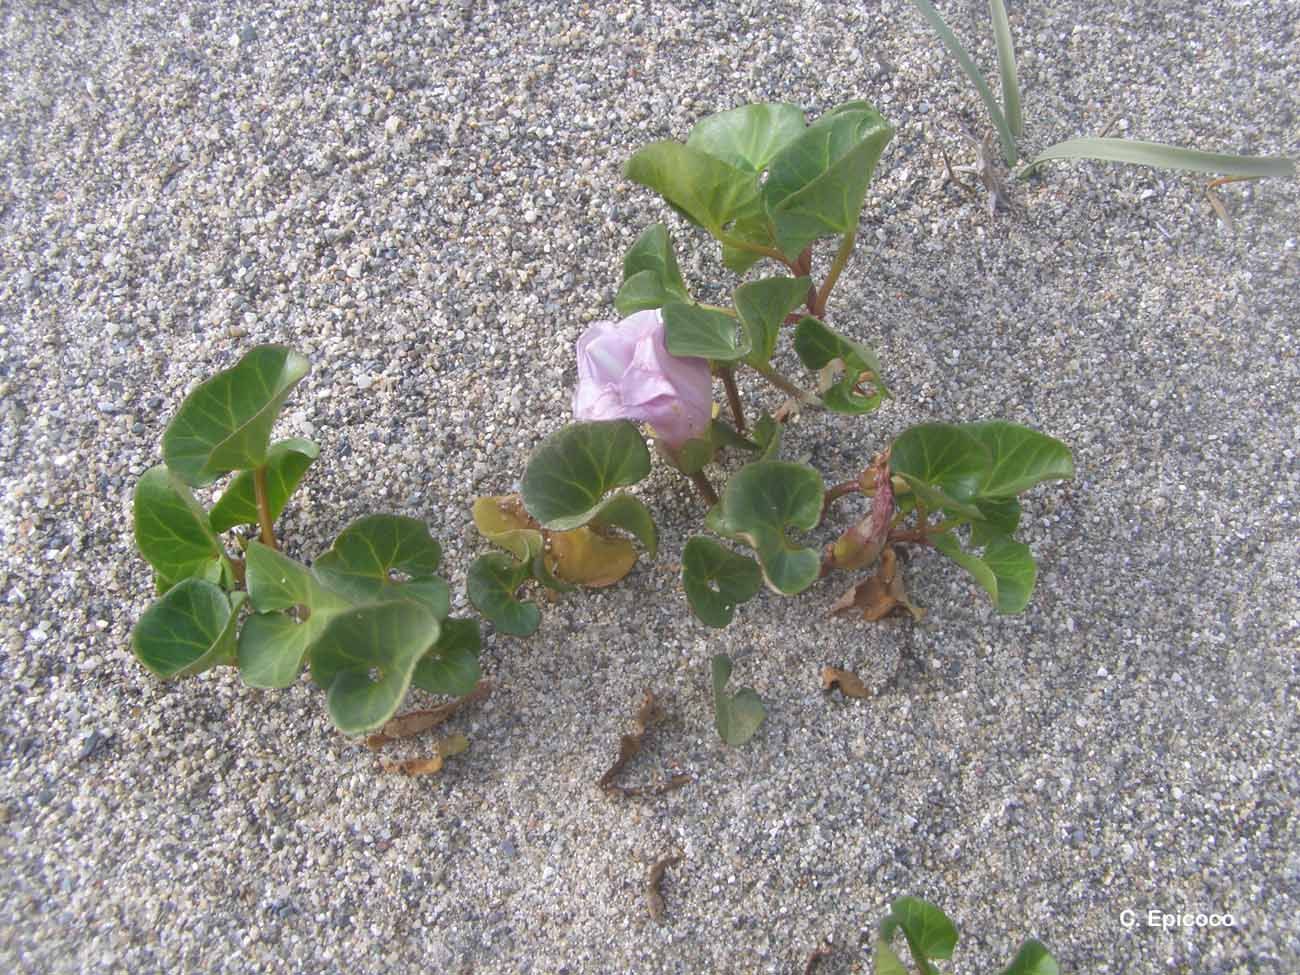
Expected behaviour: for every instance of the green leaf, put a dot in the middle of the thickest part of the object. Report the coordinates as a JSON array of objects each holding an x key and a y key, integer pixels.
[
  {"x": 817, "y": 185},
  {"x": 818, "y": 348},
  {"x": 277, "y": 582},
  {"x": 651, "y": 277},
  {"x": 273, "y": 647},
  {"x": 737, "y": 716},
  {"x": 1033, "y": 958},
  {"x": 189, "y": 630},
  {"x": 1006, "y": 571},
  {"x": 286, "y": 462},
  {"x": 364, "y": 556},
  {"x": 451, "y": 667},
  {"x": 767, "y": 434},
  {"x": 630, "y": 514},
  {"x": 717, "y": 580},
  {"x": 172, "y": 529},
  {"x": 491, "y": 583},
  {"x": 929, "y": 932},
  {"x": 887, "y": 961},
  {"x": 575, "y": 466},
  {"x": 998, "y": 516},
  {"x": 1007, "y": 67},
  {"x": 748, "y": 137},
  {"x": 943, "y": 464},
  {"x": 225, "y": 424},
  {"x": 690, "y": 330},
  {"x": 762, "y": 306},
  {"x": 1164, "y": 156},
  {"x": 754, "y": 229},
  {"x": 1009, "y": 152},
  {"x": 1020, "y": 458},
  {"x": 761, "y": 502},
  {"x": 365, "y": 659},
  {"x": 705, "y": 190}
]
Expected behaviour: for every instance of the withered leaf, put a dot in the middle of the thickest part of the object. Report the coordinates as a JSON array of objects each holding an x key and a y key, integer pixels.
[
  {"x": 444, "y": 749},
  {"x": 848, "y": 683},
  {"x": 654, "y": 899},
  {"x": 628, "y": 747},
  {"x": 818, "y": 953},
  {"x": 415, "y": 722},
  {"x": 879, "y": 594}
]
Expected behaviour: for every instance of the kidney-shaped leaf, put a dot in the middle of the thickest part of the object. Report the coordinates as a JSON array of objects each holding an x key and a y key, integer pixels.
[
  {"x": 575, "y": 466},
  {"x": 762, "y": 306},
  {"x": 705, "y": 190},
  {"x": 762, "y": 501},
  {"x": 225, "y": 424},
  {"x": 819, "y": 348},
  {"x": 365, "y": 658},
  {"x": 690, "y": 330},
  {"x": 717, "y": 580},
  {"x": 1006, "y": 570},
  {"x": 189, "y": 630},
  {"x": 451, "y": 667},
  {"x": 491, "y": 584},
  {"x": 286, "y": 462},
  {"x": 1019, "y": 458},
  {"x": 737, "y": 716},
  {"x": 503, "y": 521},
  {"x": 943, "y": 464},
  {"x": 172, "y": 529},
  {"x": 588, "y": 558},
  {"x": 748, "y": 137},
  {"x": 361, "y": 562}
]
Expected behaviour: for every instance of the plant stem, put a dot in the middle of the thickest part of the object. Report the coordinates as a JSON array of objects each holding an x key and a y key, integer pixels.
[
  {"x": 701, "y": 482},
  {"x": 787, "y": 387},
  {"x": 913, "y": 538},
  {"x": 744, "y": 245},
  {"x": 841, "y": 258},
  {"x": 728, "y": 374},
  {"x": 835, "y": 493},
  {"x": 263, "y": 507}
]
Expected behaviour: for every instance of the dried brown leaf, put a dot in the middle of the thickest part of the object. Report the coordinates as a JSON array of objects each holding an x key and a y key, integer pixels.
[
  {"x": 654, "y": 899},
  {"x": 451, "y": 745},
  {"x": 879, "y": 594},
  {"x": 818, "y": 953},
  {"x": 848, "y": 683},
  {"x": 415, "y": 722},
  {"x": 628, "y": 746}
]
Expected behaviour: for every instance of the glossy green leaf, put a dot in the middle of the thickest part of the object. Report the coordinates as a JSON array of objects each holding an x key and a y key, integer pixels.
[
  {"x": 1165, "y": 157},
  {"x": 1019, "y": 458},
  {"x": 756, "y": 229},
  {"x": 286, "y": 462},
  {"x": 277, "y": 582},
  {"x": 1009, "y": 152},
  {"x": 451, "y": 667},
  {"x": 630, "y": 514},
  {"x": 1007, "y": 67},
  {"x": 763, "y": 306},
  {"x": 943, "y": 464},
  {"x": 1006, "y": 570},
  {"x": 651, "y": 277},
  {"x": 816, "y": 186},
  {"x": 818, "y": 348},
  {"x": 491, "y": 583},
  {"x": 998, "y": 516},
  {"x": 717, "y": 580},
  {"x": 364, "y": 557},
  {"x": 573, "y": 469},
  {"x": 929, "y": 932},
  {"x": 738, "y": 715},
  {"x": 690, "y": 330},
  {"x": 703, "y": 189},
  {"x": 365, "y": 659},
  {"x": 761, "y": 502},
  {"x": 767, "y": 434},
  {"x": 189, "y": 630},
  {"x": 1033, "y": 958},
  {"x": 887, "y": 961},
  {"x": 748, "y": 137},
  {"x": 225, "y": 424},
  {"x": 172, "y": 529}
]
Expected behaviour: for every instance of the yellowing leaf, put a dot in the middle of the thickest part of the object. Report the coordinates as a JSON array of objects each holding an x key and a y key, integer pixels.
[
  {"x": 451, "y": 745},
  {"x": 588, "y": 558},
  {"x": 503, "y": 521}
]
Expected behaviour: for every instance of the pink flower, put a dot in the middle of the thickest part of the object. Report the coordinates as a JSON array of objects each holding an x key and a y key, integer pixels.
[{"x": 625, "y": 372}]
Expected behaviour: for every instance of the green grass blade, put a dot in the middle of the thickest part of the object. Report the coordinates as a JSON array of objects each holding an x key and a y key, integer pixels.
[
  {"x": 1009, "y": 152},
  {"x": 1007, "y": 67},
  {"x": 1165, "y": 156}
]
